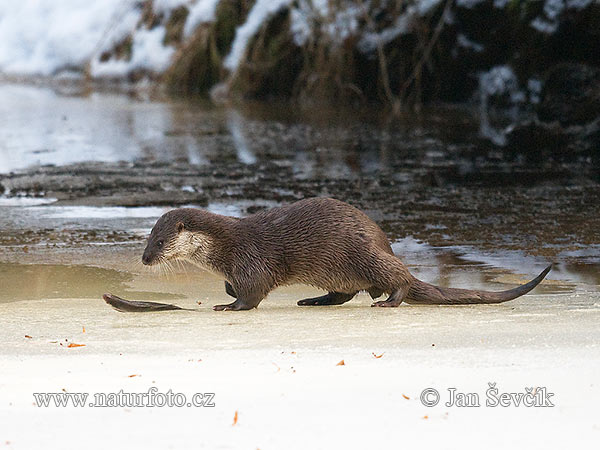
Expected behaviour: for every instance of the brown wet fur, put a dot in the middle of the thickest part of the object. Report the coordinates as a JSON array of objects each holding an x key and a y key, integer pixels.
[{"x": 320, "y": 242}]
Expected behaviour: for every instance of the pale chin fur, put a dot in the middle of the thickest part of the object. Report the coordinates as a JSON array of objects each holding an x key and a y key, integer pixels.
[{"x": 192, "y": 247}]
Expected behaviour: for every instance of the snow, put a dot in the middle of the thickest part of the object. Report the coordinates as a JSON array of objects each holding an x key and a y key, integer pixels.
[
  {"x": 499, "y": 80},
  {"x": 300, "y": 25},
  {"x": 44, "y": 38},
  {"x": 465, "y": 42},
  {"x": 578, "y": 4},
  {"x": 310, "y": 19},
  {"x": 261, "y": 11},
  {"x": 544, "y": 26},
  {"x": 41, "y": 38},
  {"x": 148, "y": 53},
  {"x": 548, "y": 22},
  {"x": 166, "y": 6},
  {"x": 553, "y": 8},
  {"x": 402, "y": 25},
  {"x": 202, "y": 11},
  {"x": 48, "y": 38}
]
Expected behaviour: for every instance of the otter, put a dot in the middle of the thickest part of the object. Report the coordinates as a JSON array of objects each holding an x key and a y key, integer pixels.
[{"x": 321, "y": 242}]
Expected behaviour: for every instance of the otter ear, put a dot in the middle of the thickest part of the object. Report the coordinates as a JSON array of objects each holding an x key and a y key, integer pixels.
[{"x": 180, "y": 227}]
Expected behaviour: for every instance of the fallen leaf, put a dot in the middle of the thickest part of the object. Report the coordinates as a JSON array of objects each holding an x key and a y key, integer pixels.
[
  {"x": 73, "y": 344},
  {"x": 425, "y": 417},
  {"x": 235, "y": 417},
  {"x": 341, "y": 363},
  {"x": 293, "y": 353},
  {"x": 134, "y": 375},
  {"x": 406, "y": 397},
  {"x": 199, "y": 302},
  {"x": 28, "y": 337},
  {"x": 377, "y": 356},
  {"x": 83, "y": 329}
]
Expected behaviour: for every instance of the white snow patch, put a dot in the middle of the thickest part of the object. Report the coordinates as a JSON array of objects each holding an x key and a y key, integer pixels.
[
  {"x": 544, "y": 26},
  {"x": 500, "y": 80},
  {"x": 300, "y": 26},
  {"x": 203, "y": 11},
  {"x": 402, "y": 25},
  {"x": 261, "y": 11},
  {"x": 148, "y": 53},
  {"x": 548, "y": 22},
  {"x": 41, "y": 38},
  {"x": 553, "y": 8},
  {"x": 465, "y": 42},
  {"x": 166, "y": 6},
  {"x": 337, "y": 23},
  {"x": 48, "y": 38},
  {"x": 578, "y": 4}
]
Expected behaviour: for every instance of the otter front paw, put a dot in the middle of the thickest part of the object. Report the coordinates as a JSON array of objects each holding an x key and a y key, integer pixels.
[{"x": 235, "y": 306}]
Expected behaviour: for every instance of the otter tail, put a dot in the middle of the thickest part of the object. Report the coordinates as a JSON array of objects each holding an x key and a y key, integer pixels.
[{"x": 428, "y": 294}]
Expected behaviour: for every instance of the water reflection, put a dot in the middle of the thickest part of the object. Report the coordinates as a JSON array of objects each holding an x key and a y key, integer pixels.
[{"x": 421, "y": 176}]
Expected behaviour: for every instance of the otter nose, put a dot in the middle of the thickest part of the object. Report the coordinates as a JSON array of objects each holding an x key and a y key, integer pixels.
[{"x": 146, "y": 258}]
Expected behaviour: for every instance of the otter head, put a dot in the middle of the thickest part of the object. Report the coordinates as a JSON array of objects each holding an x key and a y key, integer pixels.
[{"x": 176, "y": 236}]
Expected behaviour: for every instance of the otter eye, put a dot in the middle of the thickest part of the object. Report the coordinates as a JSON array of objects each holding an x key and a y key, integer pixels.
[{"x": 160, "y": 243}]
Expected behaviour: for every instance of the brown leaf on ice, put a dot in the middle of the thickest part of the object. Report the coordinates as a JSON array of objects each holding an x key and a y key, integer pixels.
[
  {"x": 425, "y": 417},
  {"x": 73, "y": 344},
  {"x": 406, "y": 397},
  {"x": 341, "y": 363},
  {"x": 377, "y": 356},
  {"x": 235, "y": 417},
  {"x": 199, "y": 302},
  {"x": 83, "y": 329},
  {"x": 134, "y": 375},
  {"x": 28, "y": 337}
]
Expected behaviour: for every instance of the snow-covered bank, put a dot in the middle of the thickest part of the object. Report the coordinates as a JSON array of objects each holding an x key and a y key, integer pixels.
[
  {"x": 495, "y": 53},
  {"x": 45, "y": 38},
  {"x": 128, "y": 39}
]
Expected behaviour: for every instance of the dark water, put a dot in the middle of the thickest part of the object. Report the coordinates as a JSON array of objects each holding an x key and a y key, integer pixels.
[{"x": 107, "y": 165}]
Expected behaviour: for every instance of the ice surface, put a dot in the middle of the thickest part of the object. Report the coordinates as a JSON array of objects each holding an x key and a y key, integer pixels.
[{"x": 277, "y": 368}]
